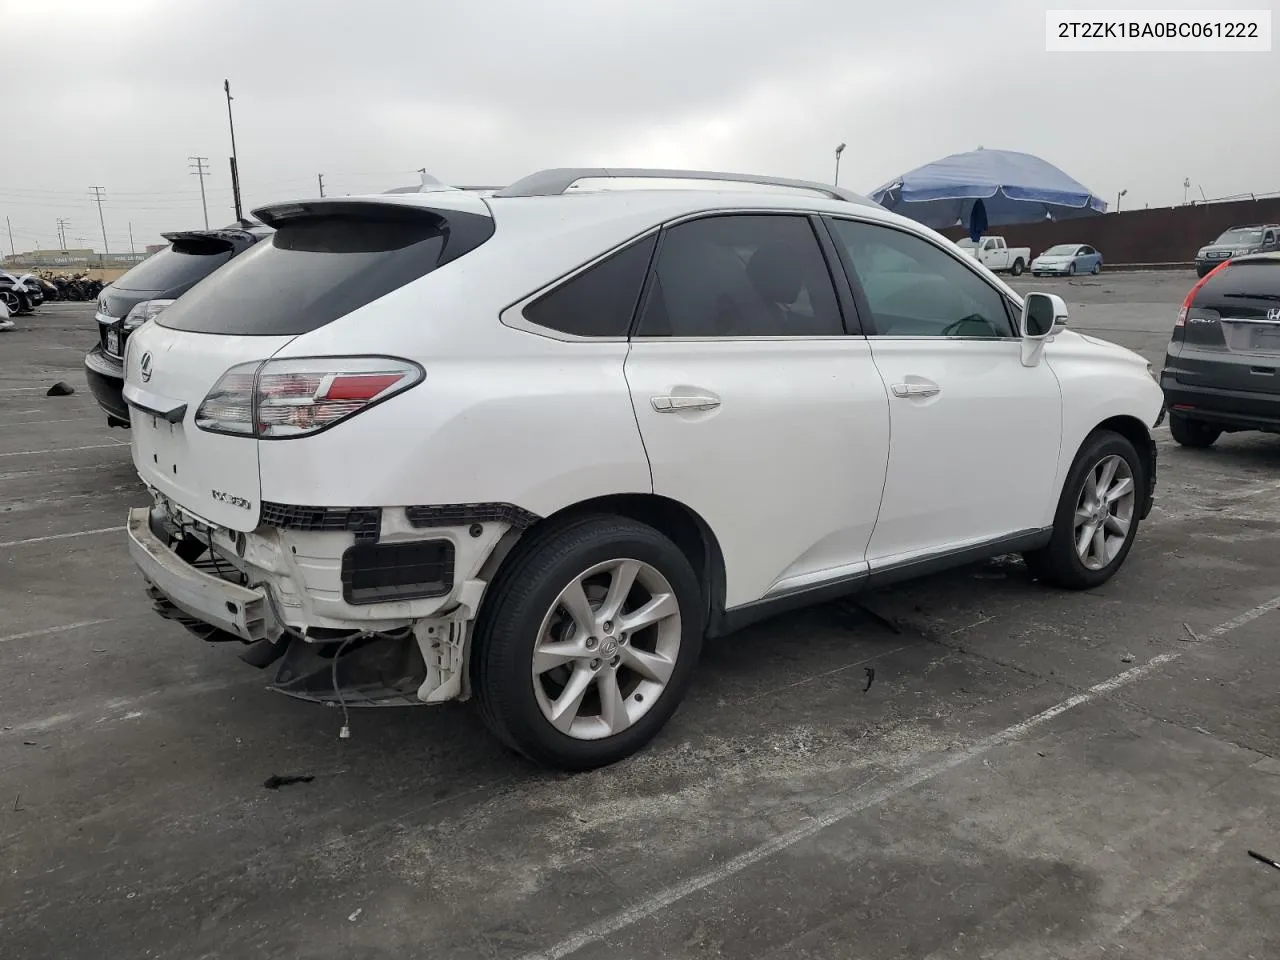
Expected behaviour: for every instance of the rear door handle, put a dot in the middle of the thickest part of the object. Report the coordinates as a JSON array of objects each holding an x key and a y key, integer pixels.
[
  {"x": 671, "y": 404},
  {"x": 915, "y": 389}
]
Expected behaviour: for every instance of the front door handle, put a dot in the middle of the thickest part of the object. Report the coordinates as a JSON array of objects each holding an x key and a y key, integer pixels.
[
  {"x": 676, "y": 404},
  {"x": 915, "y": 389}
]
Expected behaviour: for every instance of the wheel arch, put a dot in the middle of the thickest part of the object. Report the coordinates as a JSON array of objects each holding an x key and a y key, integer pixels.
[
  {"x": 676, "y": 521},
  {"x": 1137, "y": 433}
]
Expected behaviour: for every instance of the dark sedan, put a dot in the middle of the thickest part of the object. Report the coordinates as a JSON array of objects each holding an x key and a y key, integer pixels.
[
  {"x": 1222, "y": 369},
  {"x": 146, "y": 290}
]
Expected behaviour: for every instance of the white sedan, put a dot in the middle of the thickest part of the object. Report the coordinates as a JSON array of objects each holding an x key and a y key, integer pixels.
[{"x": 532, "y": 448}]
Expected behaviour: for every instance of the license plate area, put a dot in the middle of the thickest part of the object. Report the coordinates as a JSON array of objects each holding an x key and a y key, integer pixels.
[
  {"x": 113, "y": 341},
  {"x": 162, "y": 443},
  {"x": 1245, "y": 337}
]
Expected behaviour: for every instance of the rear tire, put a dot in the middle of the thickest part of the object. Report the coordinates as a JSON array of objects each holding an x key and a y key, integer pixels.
[
  {"x": 631, "y": 681},
  {"x": 1193, "y": 433},
  {"x": 1097, "y": 269},
  {"x": 1017, "y": 268},
  {"x": 1100, "y": 506}
]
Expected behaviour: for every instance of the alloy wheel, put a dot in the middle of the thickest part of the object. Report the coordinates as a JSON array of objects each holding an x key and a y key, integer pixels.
[
  {"x": 606, "y": 649},
  {"x": 1104, "y": 511}
]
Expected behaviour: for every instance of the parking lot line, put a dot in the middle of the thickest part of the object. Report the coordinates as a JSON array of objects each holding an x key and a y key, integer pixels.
[
  {"x": 60, "y": 536},
  {"x": 646, "y": 908},
  {"x": 36, "y": 423},
  {"x": 51, "y": 630},
  {"x": 92, "y": 446}
]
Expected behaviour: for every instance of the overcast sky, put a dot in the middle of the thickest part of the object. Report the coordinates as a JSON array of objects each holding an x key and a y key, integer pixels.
[{"x": 118, "y": 93}]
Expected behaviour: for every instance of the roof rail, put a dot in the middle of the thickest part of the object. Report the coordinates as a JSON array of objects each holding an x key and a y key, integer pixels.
[{"x": 550, "y": 183}]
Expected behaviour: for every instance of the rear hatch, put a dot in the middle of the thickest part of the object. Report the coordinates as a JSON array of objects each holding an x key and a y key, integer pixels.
[
  {"x": 326, "y": 259},
  {"x": 167, "y": 274},
  {"x": 1231, "y": 335}
]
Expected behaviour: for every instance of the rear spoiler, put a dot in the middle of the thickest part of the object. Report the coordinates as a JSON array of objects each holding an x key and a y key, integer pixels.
[
  {"x": 229, "y": 235},
  {"x": 277, "y": 214}
]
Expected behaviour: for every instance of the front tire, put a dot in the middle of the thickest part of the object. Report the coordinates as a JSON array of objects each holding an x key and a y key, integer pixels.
[
  {"x": 1071, "y": 269},
  {"x": 1017, "y": 268},
  {"x": 587, "y": 642},
  {"x": 1193, "y": 433},
  {"x": 1097, "y": 517}
]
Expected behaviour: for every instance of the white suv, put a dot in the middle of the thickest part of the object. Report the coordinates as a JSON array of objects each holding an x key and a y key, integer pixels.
[{"x": 533, "y": 447}]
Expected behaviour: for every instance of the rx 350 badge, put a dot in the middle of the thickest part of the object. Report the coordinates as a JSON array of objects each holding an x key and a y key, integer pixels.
[{"x": 232, "y": 500}]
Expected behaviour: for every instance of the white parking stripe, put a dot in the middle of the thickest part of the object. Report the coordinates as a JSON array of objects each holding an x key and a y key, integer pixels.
[
  {"x": 60, "y": 536},
  {"x": 646, "y": 908},
  {"x": 48, "y": 630},
  {"x": 92, "y": 446},
  {"x": 36, "y": 423}
]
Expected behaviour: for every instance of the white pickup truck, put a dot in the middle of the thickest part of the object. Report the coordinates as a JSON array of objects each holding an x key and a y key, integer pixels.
[{"x": 995, "y": 254}]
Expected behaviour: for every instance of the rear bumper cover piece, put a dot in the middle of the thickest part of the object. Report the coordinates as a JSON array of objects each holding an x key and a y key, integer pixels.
[{"x": 237, "y": 610}]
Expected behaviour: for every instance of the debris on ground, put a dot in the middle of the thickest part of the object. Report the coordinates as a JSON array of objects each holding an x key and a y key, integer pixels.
[
  {"x": 1126, "y": 658},
  {"x": 17, "y": 803},
  {"x": 275, "y": 781},
  {"x": 1267, "y": 860},
  {"x": 1191, "y": 634},
  {"x": 29, "y": 743},
  {"x": 354, "y": 916},
  {"x": 871, "y": 677},
  {"x": 61, "y": 389}
]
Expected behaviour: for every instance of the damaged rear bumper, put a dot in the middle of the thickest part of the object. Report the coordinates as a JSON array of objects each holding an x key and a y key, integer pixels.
[{"x": 239, "y": 611}]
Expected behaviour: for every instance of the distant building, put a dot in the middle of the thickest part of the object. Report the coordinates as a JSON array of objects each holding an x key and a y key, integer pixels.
[
  {"x": 67, "y": 259},
  {"x": 155, "y": 248}
]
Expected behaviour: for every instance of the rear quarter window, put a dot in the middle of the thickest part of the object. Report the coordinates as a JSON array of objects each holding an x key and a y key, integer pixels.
[{"x": 320, "y": 267}]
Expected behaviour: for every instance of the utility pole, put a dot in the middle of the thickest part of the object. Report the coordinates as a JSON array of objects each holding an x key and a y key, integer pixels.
[
  {"x": 98, "y": 197},
  {"x": 201, "y": 165},
  {"x": 133, "y": 251},
  {"x": 63, "y": 223},
  {"x": 12, "y": 253},
  {"x": 1118, "y": 196},
  {"x": 235, "y": 165},
  {"x": 839, "y": 150},
  {"x": 320, "y": 180}
]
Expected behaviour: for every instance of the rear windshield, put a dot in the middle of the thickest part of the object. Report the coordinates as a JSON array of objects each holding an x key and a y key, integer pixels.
[
  {"x": 315, "y": 269},
  {"x": 170, "y": 268},
  {"x": 1250, "y": 280}
]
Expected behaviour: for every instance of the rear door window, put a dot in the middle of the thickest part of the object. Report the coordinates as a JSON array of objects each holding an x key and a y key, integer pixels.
[
  {"x": 322, "y": 266},
  {"x": 741, "y": 276}
]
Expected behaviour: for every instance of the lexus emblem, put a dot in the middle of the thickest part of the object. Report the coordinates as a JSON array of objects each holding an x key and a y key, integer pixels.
[
  {"x": 145, "y": 367},
  {"x": 1273, "y": 313}
]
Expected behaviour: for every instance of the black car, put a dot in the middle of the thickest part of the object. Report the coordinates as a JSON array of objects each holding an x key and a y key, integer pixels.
[
  {"x": 1222, "y": 370},
  {"x": 146, "y": 290},
  {"x": 1238, "y": 242}
]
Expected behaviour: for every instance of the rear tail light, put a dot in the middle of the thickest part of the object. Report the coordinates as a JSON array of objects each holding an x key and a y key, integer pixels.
[
  {"x": 279, "y": 399},
  {"x": 1186, "y": 304}
]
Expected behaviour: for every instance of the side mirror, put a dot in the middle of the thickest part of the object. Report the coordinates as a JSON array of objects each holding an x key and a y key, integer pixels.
[{"x": 1043, "y": 315}]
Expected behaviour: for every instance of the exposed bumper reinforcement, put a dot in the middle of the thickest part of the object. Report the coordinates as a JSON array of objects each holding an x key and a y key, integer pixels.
[{"x": 234, "y": 609}]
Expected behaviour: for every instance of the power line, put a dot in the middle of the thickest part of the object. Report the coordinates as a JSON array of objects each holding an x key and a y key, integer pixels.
[
  {"x": 201, "y": 170},
  {"x": 98, "y": 197}
]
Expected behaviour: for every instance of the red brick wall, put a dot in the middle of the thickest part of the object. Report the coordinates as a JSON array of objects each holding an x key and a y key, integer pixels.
[{"x": 1161, "y": 235}]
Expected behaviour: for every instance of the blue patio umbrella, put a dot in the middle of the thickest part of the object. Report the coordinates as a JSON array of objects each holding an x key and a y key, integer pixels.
[{"x": 987, "y": 188}]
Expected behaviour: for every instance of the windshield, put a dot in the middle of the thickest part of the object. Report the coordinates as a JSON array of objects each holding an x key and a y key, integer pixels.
[
  {"x": 1241, "y": 235},
  {"x": 1061, "y": 250}
]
